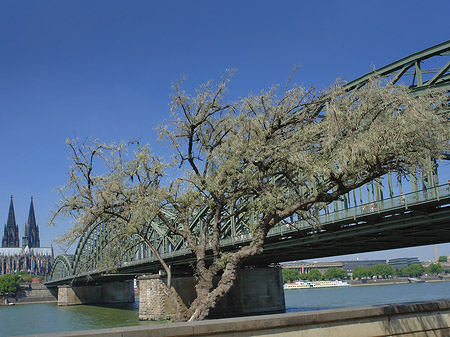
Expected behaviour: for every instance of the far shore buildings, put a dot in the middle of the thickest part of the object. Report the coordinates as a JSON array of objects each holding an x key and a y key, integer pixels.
[
  {"x": 31, "y": 257},
  {"x": 348, "y": 266}
]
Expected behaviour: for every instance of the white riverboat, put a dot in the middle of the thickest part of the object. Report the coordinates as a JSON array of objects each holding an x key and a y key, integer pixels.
[{"x": 315, "y": 284}]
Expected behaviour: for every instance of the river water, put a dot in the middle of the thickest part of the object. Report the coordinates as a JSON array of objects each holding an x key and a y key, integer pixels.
[{"x": 45, "y": 318}]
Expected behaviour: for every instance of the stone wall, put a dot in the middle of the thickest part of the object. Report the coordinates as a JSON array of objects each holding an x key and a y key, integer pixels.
[
  {"x": 256, "y": 291},
  {"x": 113, "y": 292},
  {"x": 153, "y": 302},
  {"x": 68, "y": 295},
  {"x": 34, "y": 293}
]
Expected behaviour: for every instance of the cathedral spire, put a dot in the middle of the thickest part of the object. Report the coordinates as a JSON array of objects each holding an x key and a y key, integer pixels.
[
  {"x": 11, "y": 231},
  {"x": 11, "y": 216},
  {"x": 31, "y": 233},
  {"x": 31, "y": 216}
]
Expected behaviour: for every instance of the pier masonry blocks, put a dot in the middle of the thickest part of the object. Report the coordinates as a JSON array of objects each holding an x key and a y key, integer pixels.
[
  {"x": 256, "y": 291},
  {"x": 113, "y": 292}
]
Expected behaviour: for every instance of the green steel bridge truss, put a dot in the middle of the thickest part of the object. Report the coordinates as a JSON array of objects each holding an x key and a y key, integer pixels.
[{"x": 424, "y": 70}]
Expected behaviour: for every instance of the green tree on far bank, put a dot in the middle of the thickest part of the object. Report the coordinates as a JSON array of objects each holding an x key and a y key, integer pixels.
[
  {"x": 360, "y": 272},
  {"x": 314, "y": 275},
  {"x": 443, "y": 258},
  {"x": 434, "y": 268},
  {"x": 335, "y": 274},
  {"x": 383, "y": 270},
  {"x": 9, "y": 284},
  {"x": 414, "y": 270},
  {"x": 290, "y": 275}
]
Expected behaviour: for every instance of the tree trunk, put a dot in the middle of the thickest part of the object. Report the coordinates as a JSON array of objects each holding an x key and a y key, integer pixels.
[{"x": 202, "y": 305}]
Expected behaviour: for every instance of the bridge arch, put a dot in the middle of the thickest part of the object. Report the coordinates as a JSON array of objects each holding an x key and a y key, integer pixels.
[
  {"x": 62, "y": 267},
  {"x": 96, "y": 251},
  {"x": 426, "y": 69}
]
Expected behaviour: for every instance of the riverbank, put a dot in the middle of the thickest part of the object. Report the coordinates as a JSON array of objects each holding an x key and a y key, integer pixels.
[
  {"x": 398, "y": 280},
  {"x": 32, "y": 293}
]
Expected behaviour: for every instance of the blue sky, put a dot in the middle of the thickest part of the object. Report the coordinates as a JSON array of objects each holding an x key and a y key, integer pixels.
[{"x": 104, "y": 69}]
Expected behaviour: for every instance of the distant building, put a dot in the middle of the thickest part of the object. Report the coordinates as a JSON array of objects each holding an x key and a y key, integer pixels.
[
  {"x": 31, "y": 257},
  {"x": 305, "y": 267},
  {"x": 349, "y": 266},
  {"x": 403, "y": 262}
]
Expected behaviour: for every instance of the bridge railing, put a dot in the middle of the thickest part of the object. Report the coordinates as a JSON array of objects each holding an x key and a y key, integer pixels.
[{"x": 402, "y": 201}]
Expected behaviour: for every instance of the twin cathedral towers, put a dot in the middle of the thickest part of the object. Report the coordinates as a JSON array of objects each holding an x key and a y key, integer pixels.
[
  {"x": 30, "y": 257},
  {"x": 11, "y": 231}
]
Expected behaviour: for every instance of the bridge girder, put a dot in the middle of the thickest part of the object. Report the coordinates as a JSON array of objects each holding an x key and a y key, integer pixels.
[
  {"x": 412, "y": 66},
  {"x": 62, "y": 266}
]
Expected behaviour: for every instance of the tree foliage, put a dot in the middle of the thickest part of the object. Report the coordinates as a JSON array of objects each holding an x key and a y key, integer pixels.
[
  {"x": 435, "y": 268},
  {"x": 335, "y": 274},
  {"x": 443, "y": 258},
  {"x": 313, "y": 275},
  {"x": 414, "y": 270},
  {"x": 280, "y": 154},
  {"x": 360, "y": 272},
  {"x": 9, "y": 284},
  {"x": 290, "y": 275},
  {"x": 383, "y": 270}
]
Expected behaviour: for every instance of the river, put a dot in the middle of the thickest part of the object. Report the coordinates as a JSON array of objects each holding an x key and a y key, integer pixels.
[{"x": 46, "y": 318}]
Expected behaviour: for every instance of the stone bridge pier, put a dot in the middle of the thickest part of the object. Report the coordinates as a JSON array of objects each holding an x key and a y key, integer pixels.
[
  {"x": 256, "y": 291},
  {"x": 110, "y": 292}
]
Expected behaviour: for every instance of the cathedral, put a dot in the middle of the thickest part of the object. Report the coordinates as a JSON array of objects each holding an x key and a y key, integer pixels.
[{"x": 31, "y": 257}]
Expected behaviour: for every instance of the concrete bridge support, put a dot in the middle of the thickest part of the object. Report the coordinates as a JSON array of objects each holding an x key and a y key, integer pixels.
[
  {"x": 112, "y": 292},
  {"x": 256, "y": 291}
]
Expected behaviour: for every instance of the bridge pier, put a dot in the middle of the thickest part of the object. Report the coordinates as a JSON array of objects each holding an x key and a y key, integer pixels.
[
  {"x": 256, "y": 291},
  {"x": 111, "y": 292}
]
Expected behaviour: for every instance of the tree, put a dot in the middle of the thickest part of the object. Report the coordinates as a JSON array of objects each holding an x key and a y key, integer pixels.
[
  {"x": 414, "y": 270},
  {"x": 399, "y": 271},
  {"x": 314, "y": 275},
  {"x": 290, "y": 275},
  {"x": 9, "y": 284},
  {"x": 434, "y": 268},
  {"x": 443, "y": 258},
  {"x": 335, "y": 274},
  {"x": 383, "y": 270},
  {"x": 360, "y": 272},
  {"x": 276, "y": 156}
]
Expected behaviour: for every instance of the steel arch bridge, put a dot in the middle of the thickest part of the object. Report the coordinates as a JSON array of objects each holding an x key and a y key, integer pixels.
[{"x": 424, "y": 70}]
